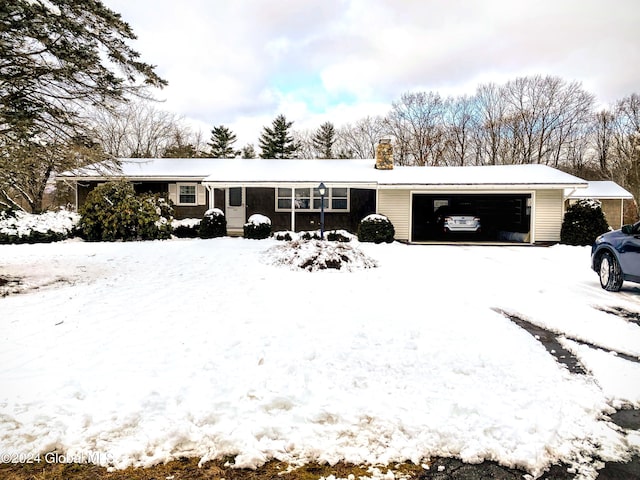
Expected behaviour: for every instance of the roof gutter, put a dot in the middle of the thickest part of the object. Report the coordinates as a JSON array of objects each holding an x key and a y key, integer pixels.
[{"x": 480, "y": 186}]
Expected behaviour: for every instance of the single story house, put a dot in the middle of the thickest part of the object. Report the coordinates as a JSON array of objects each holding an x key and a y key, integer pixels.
[
  {"x": 611, "y": 195},
  {"x": 514, "y": 202}
]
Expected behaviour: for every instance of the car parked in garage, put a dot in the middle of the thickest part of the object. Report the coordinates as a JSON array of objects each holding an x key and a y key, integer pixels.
[
  {"x": 615, "y": 256},
  {"x": 457, "y": 220}
]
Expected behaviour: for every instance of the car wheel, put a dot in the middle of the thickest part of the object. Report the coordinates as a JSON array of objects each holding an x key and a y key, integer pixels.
[{"x": 610, "y": 274}]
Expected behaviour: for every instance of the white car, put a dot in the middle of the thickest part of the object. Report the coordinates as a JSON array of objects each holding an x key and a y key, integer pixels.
[{"x": 461, "y": 223}]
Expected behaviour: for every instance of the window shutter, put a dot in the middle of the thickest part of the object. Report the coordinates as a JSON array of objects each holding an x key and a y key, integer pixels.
[
  {"x": 173, "y": 193},
  {"x": 202, "y": 194}
]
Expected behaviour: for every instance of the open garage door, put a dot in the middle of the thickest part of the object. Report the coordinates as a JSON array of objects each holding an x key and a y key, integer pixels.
[{"x": 471, "y": 218}]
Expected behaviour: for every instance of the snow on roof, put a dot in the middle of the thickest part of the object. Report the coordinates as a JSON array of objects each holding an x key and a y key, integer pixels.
[
  {"x": 601, "y": 189},
  {"x": 165, "y": 168},
  {"x": 270, "y": 172},
  {"x": 363, "y": 172}
]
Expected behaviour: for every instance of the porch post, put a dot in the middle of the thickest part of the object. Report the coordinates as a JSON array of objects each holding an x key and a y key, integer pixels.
[
  {"x": 293, "y": 209},
  {"x": 212, "y": 196}
]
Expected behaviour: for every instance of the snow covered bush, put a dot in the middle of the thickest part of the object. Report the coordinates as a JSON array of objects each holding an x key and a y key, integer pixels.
[
  {"x": 310, "y": 235},
  {"x": 331, "y": 235},
  {"x": 583, "y": 222},
  {"x": 22, "y": 227},
  {"x": 339, "y": 236},
  {"x": 314, "y": 255},
  {"x": 284, "y": 235},
  {"x": 186, "y": 228},
  {"x": 376, "y": 228},
  {"x": 113, "y": 211},
  {"x": 213, "y": 224},
  {"x": 258, "y": 227}
]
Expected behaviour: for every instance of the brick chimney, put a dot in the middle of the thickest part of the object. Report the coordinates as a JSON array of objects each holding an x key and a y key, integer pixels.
[{"x": 384, "y": 155}]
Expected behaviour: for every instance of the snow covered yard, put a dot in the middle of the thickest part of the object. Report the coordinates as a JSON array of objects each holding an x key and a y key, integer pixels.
[{"x": 155, "y": 350}]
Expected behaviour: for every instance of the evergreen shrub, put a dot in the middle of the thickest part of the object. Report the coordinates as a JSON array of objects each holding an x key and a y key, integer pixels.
[
  {"x": 376, "y": 228},
  {"x": 583, "y": 222},
  {"x": 113, "y": 212},
  {"x": 213, "y": 224},
  {"x": 258, "y": 227}
]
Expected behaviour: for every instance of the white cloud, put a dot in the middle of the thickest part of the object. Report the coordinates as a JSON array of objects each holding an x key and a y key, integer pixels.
[{"x": 241, "y": 63}]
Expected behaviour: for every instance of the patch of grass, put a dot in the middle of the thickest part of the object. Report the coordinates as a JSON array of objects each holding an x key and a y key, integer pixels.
[{"x": 187, "y": 469}]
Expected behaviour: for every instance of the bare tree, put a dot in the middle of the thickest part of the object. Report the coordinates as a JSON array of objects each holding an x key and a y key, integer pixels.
[
  {"x": 138, "y": 129},
  {"x": 304, "y": 138},
  {"x": 546, "y": 115},
  {"x": 360, "y": 139},
  {"x": 602, "y": 131},
  {"x": 28, "y": 169},
  {"x": 462, "y": 126},
  {"x": 491, "y": 111},
  {"x": 421, "y": 115},
  {"x": 627, "y": 144}
]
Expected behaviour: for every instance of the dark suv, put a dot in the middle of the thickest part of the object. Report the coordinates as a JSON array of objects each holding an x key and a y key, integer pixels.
[{"x": 615, "y": 256}]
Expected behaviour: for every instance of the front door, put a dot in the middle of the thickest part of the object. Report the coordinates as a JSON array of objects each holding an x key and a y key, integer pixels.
[{"x": 235, "y": 208}]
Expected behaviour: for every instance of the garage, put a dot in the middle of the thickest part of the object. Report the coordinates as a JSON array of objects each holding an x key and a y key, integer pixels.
[{"x": 471, "y": 217}]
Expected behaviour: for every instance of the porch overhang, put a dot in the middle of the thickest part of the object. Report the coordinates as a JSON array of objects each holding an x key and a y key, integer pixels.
[{"x": 288, "y": 184}]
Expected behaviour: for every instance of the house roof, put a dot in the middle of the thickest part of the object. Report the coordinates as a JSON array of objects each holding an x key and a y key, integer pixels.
[
  {"x": 601, "y": 189},
  {"x": 147, "y": 169},
  {"x": 268, "y": 172}
]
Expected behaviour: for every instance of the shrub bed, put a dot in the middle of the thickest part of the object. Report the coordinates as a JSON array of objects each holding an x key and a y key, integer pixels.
[
  {"x": 315, "y": 255},
  {"x": 21, "y": 227}
]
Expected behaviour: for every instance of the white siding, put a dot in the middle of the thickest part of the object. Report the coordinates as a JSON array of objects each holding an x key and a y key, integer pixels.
[
  {"x": 396, "y": 206},
  {"x": 548, "y": 215}
]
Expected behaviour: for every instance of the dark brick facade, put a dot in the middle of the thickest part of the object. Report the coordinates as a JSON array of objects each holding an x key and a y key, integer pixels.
[{"x": 263, "y": 201}]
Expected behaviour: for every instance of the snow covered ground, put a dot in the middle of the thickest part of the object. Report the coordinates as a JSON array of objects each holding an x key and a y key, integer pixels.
[{"x": 137, "y": 353}]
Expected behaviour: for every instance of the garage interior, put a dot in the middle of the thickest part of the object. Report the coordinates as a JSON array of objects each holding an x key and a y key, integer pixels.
[{"x": 503, "y": 217}]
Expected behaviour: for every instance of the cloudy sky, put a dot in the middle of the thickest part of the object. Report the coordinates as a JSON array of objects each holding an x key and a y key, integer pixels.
[{"x": 242, "y": 62}]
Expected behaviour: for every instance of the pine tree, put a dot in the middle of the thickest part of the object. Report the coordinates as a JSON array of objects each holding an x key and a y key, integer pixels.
[
  {"x": 323, "y": 140},
  {"x": 61, "y": 54},
  {"x": 248, "y": 151},
  {"x": 222, "y": 140},
  {"x": 277, "y": 142},
  {"x": 58, "y": 58}
]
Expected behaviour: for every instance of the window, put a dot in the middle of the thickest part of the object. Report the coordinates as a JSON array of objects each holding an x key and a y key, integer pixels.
[
  {"x": 309, "y": 199},
  {"x": 303, "y": 198},
  {"x": 317, "y": 199},
  {"x": 339, "y": 198},
  {"x": 187, "y": 194},
  {"x": 283, "y": 201},
  {"x": 235, "y": 196}
]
